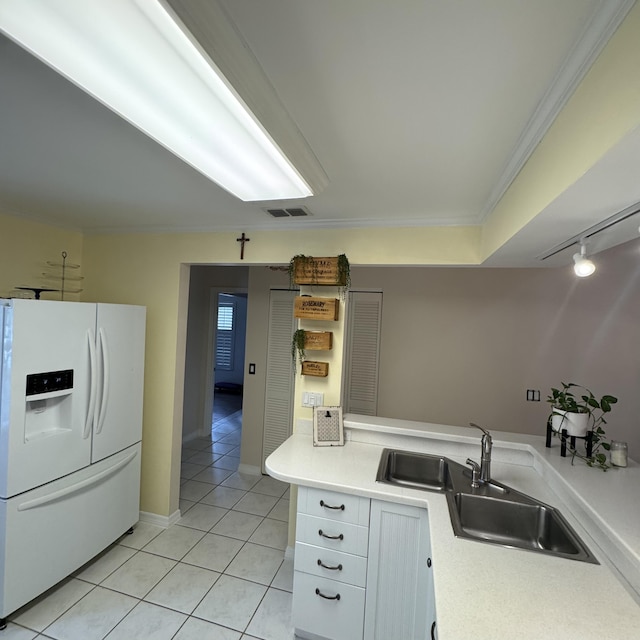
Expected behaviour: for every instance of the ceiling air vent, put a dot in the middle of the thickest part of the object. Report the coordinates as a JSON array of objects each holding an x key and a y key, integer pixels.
[{"x": 293, "y": 212}]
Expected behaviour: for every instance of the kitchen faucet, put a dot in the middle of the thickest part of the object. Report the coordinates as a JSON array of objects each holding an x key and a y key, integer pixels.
[{"x": 485, "y": 460}]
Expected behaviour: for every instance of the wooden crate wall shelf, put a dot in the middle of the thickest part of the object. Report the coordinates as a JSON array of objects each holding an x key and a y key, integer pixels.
[
  {"x": 318, "y": 369},
  {"x": 310, "y": 308},
  {"x": 318, "y": 271},
  {"x": 318, "y": 340}
]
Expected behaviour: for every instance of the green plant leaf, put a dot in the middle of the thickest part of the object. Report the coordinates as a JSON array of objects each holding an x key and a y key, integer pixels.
[{"x": 591, "y": 401}]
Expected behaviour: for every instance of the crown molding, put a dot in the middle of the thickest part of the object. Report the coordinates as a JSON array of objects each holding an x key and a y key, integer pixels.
[
  {"x": 286, "y": 224},
  {"x": 602, "y": 25}
]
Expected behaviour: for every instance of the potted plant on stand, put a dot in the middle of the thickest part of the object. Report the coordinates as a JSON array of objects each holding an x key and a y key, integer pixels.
[{"x": 576, "y": 410}]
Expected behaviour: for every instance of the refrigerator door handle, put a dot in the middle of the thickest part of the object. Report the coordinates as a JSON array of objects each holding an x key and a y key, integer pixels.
[
  {"x": 78, "y": 486},
  {"x": 93, "y": 383},
  {"x": 104, "y": 350}
]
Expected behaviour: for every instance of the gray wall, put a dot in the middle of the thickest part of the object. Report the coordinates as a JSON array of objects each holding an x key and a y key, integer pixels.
[
  {"x": 261, "y": 280},
  {"x": 464, "y": 344}
]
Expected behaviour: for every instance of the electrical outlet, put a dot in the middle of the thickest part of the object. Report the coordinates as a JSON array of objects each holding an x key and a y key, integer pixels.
[{"x": 533, "y": 395}]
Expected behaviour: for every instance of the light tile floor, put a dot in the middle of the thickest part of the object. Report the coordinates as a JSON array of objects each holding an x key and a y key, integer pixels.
[{"x": 218, "y": 574}]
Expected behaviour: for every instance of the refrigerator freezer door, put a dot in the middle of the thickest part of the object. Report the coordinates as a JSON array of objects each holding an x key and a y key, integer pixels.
[
  {"x": 45, "y": 392},
  {"x": 120, "y": 334},
  {"x": 51, "y": 531}
]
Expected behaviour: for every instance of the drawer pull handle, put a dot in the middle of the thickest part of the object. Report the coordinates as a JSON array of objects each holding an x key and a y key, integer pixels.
[
  {"x": 319, "y": 593},
  {"x": 328, "y": 506},
  {"x": 326, "y": 566},
  {"x": 324, "y": 535}
]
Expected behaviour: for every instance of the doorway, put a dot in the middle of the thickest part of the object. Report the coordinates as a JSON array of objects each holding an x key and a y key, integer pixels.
[
  {"x": 201, "y": 404},
  {"x": 206, "y": 284},
  {"x": 228, "y": 318},
  {"x": 224, "y": 380}
]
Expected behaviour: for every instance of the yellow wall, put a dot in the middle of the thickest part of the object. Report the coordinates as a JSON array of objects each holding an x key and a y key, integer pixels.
[
  {"x": 25, "y": 248},
  {"x": 146, "y": 269},
  {"x": 331, "y": 385},
  {"x": 604, "y": 108}
]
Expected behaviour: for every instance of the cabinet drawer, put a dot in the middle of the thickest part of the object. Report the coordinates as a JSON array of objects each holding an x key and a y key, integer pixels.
[
  {"x": 334, "y": 505},
  {"x": 330, "y": 564},
  {"x": 341, "y": 536},
  {"x": 338, "y": 618}
]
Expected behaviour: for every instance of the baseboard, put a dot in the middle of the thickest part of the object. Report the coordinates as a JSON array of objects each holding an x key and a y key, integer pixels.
[
  {"x": 158, "y": 520},
  {"x": 250, "y": 469},
  {"x": 194, "y": 435}
]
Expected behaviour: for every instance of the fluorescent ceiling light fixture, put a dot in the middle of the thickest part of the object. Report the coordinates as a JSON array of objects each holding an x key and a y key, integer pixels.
[
  {"x": 136, "y": 58},
  {"x": 583, "y": 267}
]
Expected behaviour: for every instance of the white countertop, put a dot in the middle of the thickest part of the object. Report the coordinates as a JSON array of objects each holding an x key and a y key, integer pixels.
[{"x": 486, "y": 591}]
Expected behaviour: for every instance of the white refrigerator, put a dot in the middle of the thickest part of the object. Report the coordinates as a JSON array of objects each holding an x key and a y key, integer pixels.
[{"x": 71, "y": 385}]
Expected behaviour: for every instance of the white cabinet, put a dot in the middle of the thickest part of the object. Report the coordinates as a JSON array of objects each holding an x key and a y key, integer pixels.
[
  {"x": 363, "y": 569},
  {"x": 399, "y": 601},
  {"x": 332, "y": 537}
]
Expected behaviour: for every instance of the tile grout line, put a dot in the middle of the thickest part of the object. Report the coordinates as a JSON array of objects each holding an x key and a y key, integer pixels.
[{"x": 180, "y": 561}]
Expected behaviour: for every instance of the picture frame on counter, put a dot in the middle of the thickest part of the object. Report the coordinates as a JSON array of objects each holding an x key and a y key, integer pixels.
[{"x": 328, "y": 428}]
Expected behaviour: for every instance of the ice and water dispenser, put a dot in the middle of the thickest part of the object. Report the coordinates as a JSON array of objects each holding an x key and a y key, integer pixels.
[{"x": 48, "y": 404}]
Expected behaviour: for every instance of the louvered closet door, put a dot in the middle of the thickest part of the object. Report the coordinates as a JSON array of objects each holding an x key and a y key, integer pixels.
[
  {"x": 362, "y": 355},
  {"x": 278, "y": 409}
]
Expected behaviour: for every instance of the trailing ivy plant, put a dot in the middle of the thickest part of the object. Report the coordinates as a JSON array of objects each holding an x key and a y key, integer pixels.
[
  {"x": 344, "y": 274},
  {"x": 565, "y": 399},
  {"x": 297, "y": 347},
  {"x": 344, "y": 271},
  {"x": 307, "y": 261}
]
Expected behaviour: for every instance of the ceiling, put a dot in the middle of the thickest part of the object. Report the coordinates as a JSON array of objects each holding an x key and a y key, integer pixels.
[{"x": 420, "y": 113}]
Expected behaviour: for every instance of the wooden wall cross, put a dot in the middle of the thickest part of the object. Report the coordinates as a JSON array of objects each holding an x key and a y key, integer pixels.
[{"x": 242, "y": 239}]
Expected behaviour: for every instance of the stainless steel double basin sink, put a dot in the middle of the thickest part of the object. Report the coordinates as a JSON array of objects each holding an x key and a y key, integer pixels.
[{"x": 492, "y": 513}]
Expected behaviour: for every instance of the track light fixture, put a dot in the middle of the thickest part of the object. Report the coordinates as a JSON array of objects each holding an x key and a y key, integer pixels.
[{"x": 583, "y": 267}]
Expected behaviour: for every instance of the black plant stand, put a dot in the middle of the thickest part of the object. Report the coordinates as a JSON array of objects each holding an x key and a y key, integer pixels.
[{"x": 588, "y": 438}]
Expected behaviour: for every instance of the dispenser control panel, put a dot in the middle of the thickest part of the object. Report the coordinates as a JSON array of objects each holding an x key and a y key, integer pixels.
[{"x": 51, "y": 381}]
